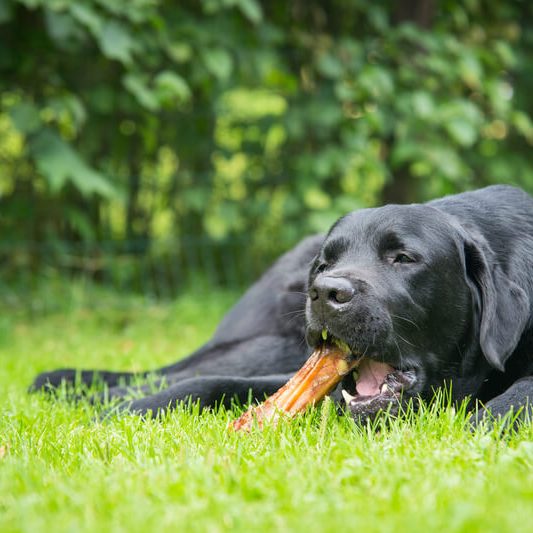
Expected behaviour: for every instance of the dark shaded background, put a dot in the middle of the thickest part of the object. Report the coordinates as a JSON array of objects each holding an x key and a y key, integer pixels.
[{"x": 145, "y": 142}]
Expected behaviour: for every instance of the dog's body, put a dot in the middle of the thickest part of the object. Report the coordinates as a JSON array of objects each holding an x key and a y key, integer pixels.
[{"x": 440, "y": 292}]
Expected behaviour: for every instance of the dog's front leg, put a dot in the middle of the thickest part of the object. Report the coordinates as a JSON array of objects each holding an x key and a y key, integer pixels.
[{"x": 516, "y": 403}]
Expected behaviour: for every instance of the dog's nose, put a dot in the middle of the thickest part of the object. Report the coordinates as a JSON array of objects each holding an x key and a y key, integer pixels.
[{"x": 333, "y": 290}]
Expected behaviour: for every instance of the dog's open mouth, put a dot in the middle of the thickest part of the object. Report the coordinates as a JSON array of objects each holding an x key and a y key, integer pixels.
[
  {"x": 368, "y": 385},
  {"x": 375, "y": 386}
]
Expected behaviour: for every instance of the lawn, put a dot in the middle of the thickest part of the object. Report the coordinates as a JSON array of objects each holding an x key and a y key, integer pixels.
[{"x": 61, "y": 470}]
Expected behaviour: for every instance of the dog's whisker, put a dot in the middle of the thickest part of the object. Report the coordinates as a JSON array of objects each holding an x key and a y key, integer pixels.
[
  {"x": 300, "y": 293},
  {"x": 399, "y": 352},
  {"x": 297, "y": 312},
  {"x": 406, "y": 320},
  {"x": 292, "y": 320},
  {"x": 302, "y": 342},
  {"x": 404, "y": 340}
]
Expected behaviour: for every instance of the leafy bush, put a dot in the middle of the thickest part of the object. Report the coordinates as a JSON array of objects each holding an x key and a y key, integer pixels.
[{"x": 267, "y": 120}]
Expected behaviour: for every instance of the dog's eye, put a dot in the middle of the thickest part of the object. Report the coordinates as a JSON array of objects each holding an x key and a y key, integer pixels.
[
  {"x": 403, "y": 258},
  {"x": 320, "y": 268}
]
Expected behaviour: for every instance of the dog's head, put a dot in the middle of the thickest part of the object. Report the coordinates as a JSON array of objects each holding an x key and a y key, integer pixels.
[{"x": 418, "y": 296}]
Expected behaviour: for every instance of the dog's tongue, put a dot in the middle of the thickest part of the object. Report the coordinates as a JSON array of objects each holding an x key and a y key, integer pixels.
[{"x": 372, "y": 374}]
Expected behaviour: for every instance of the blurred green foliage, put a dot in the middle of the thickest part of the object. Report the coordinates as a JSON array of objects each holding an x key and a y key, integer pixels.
[{"x": 145, "y": 119}]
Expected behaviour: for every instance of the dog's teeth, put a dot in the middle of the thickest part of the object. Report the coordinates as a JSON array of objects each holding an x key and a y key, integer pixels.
[
  {"x": 347, "y": 396},
  {"x": 325, "y": 334},
  {"x": 385, "y": 388}
]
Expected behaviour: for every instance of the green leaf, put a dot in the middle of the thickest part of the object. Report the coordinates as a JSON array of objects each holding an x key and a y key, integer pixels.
[
  {"x": 137, "y": 86},
  {"x": 59, "y": 163},
  {"x": 6, "y": 11},
  {"x": 470, "y": 70},
  {"x": 172, "y": 86},
  {"x": 222, "y": 219},
  {"x": 459, "y": 109},
  {"x": 116, "y": 42},
  {"x": 329, "y": 66},
  {"x": 423, "y": 104},
  {"x": 376, "y": 81},
  {"x": 316, "y": 199},
  {"x": 462, "y": 131},
  {"x": 71, "y": 105},
  {"x": 405, "y": 150},
  {"x": 446, "y": 161},
  {"x": 179, "y": 52},
  {"x": 251, "y": 9},
  {"x": 79, "y": 220},
  {"x": 324, "y": 113},
  {"x": 61, "y": 27},
  {"x": 25, "y": 117},
  {"x": 506, "y": 54},
  {"x": 86, "y": 16},
  {"x": 196, "y": 198},
  {"x": 523, "y": 124},
  {"x": 322, "y": 220},
  {"x": 378, "y": 18},
  {"x": 218, "y": 62}
]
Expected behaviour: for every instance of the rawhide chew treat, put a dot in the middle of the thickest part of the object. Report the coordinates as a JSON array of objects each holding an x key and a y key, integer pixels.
[{"x": 321, "y": 373}]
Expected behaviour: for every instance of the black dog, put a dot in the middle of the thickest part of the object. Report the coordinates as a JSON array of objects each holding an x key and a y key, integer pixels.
[{"x": 428, "y": 293}]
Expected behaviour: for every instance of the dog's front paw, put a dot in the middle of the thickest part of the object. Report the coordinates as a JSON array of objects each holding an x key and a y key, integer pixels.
[{"x": 49, "y": 381}]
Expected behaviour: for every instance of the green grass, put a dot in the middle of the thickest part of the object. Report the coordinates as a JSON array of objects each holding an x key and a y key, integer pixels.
[{"x": 62, "y": 471}]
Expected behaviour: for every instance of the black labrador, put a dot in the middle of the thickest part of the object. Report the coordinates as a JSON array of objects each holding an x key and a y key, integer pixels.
[{"x": 430, "y": 294}]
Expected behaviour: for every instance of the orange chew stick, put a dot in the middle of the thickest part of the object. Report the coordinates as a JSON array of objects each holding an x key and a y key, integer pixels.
[{"x": 320, "y": 374}]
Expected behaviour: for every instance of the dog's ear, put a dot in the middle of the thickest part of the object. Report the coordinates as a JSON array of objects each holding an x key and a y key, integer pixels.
[{"x": 503, "y": 305}]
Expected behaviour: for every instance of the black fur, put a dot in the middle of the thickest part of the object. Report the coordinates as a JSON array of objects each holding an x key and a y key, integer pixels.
[{"x": 443, "y": 289}]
